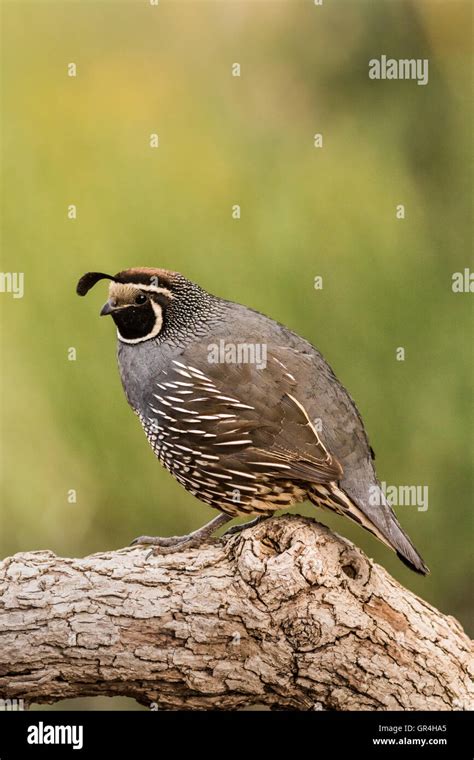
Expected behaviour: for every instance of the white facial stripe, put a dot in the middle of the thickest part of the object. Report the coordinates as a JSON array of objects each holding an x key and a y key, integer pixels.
[
  {"x": 154, "y": 289},
  {"x": 129, "y": 289},
  {"x": 156, "y": 328}
]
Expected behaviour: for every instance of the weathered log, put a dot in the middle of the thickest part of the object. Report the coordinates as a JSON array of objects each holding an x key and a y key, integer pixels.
[{"x": 286, "y": 614}]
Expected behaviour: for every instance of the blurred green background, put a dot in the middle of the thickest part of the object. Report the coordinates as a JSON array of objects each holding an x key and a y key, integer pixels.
[{"x": 305, "y": 211}]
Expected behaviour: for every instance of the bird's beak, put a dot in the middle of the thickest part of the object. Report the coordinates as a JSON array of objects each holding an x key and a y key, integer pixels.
[{"x": 107, "y": 308}]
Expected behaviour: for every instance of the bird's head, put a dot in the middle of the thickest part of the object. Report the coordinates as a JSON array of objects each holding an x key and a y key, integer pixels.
[{"x": 140, "y": 300}]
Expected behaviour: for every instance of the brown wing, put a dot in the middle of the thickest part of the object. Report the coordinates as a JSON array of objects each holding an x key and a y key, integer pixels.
[{"x": 257, "y": 428}]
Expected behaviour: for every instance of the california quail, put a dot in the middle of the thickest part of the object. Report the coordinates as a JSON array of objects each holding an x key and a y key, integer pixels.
[{"x": 245, "y": 436}]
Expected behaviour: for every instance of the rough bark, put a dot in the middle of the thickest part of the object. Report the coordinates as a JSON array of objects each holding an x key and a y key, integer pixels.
[{"x": 286, "y": 614}]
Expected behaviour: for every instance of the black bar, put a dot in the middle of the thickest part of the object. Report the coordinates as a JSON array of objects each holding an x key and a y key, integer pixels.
[{"x": 312, "y": 734}]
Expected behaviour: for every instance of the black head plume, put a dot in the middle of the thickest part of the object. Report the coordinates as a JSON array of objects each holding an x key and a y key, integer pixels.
[{"x": 88, "y": 281}]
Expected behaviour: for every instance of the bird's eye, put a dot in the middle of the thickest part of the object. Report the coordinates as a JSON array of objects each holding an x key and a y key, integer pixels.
[{"x": 140, "y": 299}]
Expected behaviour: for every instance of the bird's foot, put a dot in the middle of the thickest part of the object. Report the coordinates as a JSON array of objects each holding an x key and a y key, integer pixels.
[
  {"x": 170, "y": 544},
  {"x": 162, "y": 541},
  {"x": 243, "y": 526}
]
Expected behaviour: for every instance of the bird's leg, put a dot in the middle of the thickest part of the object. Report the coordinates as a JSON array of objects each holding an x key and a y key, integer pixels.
[
  {"x": 168, "y": 544},
  {"x": 245, "y": 525}
]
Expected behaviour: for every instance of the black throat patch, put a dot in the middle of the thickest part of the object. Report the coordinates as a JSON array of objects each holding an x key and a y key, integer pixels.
[{"x": 135, "y": 322}]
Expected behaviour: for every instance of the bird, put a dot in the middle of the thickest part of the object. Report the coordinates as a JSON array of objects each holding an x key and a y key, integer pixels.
[{"x": 245, "y": 414}]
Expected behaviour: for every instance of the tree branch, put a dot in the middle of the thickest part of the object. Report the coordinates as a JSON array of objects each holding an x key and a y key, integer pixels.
[{"x": 286, "y": 614}]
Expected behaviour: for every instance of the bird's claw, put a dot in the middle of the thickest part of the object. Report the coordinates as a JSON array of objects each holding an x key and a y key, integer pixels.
[
  {"x": 169, "y": 541},
  {"x": 162, "y": 545}
]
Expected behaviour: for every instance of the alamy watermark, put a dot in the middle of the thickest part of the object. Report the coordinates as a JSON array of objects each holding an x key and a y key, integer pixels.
[
  {"x": 404, "y": 68},
  {"x": 238, "y": 353},
  {"x": 43, "y": 733},
  {"x": 12, "y": 282},
  {"x": 463, "y": 282},
  {"x": 399, "y": 496},
  {"x": 11, "y": 705}
]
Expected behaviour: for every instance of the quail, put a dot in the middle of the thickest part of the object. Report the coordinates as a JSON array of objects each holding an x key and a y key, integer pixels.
[{"x": 246, "y": 431}]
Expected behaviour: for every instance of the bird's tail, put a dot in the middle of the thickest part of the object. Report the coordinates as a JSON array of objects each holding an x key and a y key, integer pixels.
[{"x": 382, "y": 521}]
